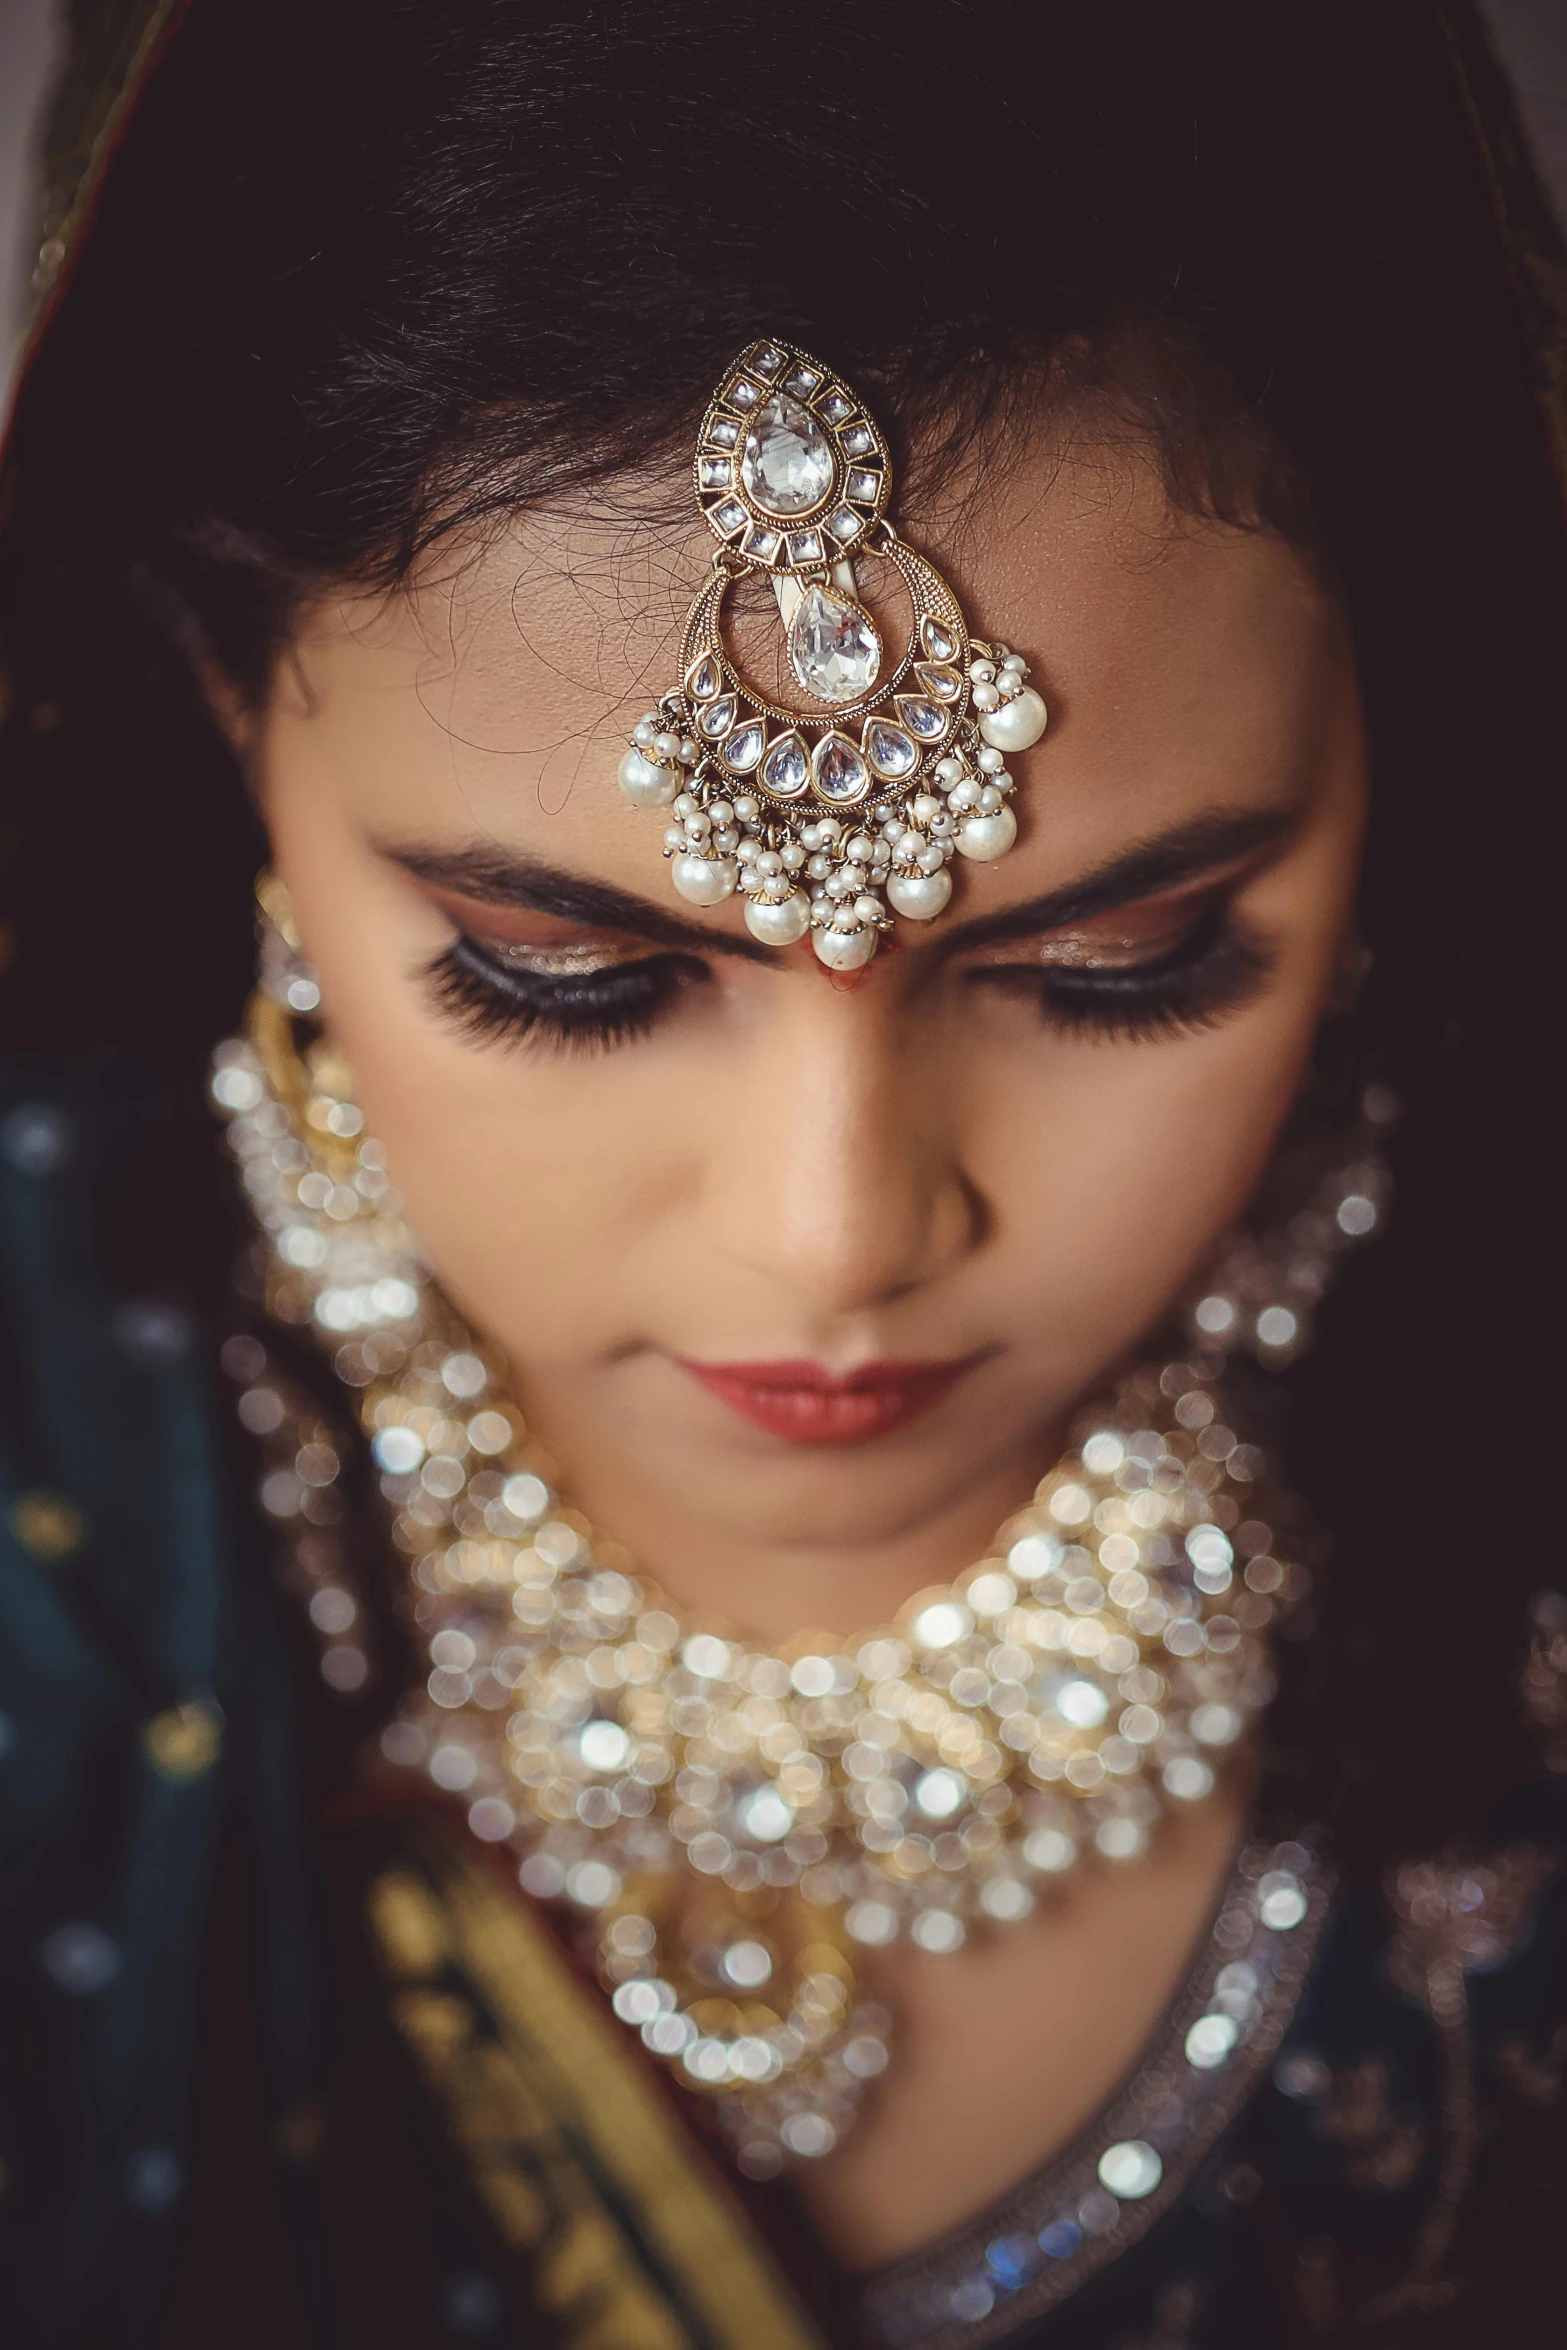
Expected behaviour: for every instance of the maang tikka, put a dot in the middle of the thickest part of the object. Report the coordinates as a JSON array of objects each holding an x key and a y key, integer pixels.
[{"x": 827, "y": 816}]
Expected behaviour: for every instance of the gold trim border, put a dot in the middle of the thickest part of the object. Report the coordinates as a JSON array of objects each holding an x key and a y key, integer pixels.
[{"x": 635, "y": 2241}]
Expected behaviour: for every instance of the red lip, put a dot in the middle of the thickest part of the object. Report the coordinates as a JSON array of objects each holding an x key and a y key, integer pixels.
[{"x": 807, "y": 1405}]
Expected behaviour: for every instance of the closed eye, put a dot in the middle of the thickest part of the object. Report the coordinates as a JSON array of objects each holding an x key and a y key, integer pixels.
[
  {"x": 1211, "y": 967},
  {"x": 572, "y": 999}
]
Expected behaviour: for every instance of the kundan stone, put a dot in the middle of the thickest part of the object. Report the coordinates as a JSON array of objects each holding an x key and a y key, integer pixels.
[
  {"x": 834, "y": 647},
  {"x": 787, "y": 467}
]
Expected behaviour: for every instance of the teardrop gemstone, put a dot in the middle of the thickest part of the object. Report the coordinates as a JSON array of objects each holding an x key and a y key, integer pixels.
[
  {"x": 939, "y": 642},
  {"x": 718, "y": 717},
  {"x": 787, "y": 467},
  {"x": 889, "y": 750},
  {"x": 838, "y": 771},
  {"x": 703, "y": 679},
  {"x": 786, "y": 770},
  {"x": 743, "y": 748},
  {"x": 834, "y": 646},
  {"x": 924, "y": 720},
  {"x": 942, "y": 685}
]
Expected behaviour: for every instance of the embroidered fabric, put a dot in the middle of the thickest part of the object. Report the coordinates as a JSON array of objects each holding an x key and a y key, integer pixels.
[{"x": 1095, "y": 2200}]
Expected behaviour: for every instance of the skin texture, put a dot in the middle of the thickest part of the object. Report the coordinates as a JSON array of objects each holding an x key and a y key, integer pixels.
[{"x": 920, "y": 1167}]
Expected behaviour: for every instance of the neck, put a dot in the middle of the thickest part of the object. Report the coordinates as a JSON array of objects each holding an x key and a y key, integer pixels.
[{"x": 745, "y": 1550}]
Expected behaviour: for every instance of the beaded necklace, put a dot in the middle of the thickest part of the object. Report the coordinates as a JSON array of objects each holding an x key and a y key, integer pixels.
[{"x": 736, "y": 1826}]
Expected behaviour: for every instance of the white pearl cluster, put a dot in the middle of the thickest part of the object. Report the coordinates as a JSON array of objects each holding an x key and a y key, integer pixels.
[
  {"x": 806, "y": 869},
  {"x": 733, "y": 1822}
]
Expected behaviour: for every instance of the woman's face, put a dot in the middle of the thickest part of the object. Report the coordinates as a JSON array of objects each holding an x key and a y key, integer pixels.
[{"x": 641, "y": 1149}]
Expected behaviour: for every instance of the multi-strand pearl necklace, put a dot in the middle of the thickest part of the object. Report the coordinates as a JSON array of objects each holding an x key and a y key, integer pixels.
[{"x": 736, "y": 1825}]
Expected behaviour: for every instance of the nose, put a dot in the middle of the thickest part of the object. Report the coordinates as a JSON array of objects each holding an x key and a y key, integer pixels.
[{"x": 837, "y": 1168}]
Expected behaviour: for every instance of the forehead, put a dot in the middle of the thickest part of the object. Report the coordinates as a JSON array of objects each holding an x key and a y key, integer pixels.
[{"x": 1186, "y": 666}]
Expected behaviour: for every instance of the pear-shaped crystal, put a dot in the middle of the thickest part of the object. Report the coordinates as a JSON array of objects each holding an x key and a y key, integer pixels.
[
  {"x": 743, "y": 748},
  {"x": 924, "y": 720},
  {"x": 718, "y": 717},
  {"x": 940, "y": 643},
  {"x": 942, "y": 685},
  {"x": 840, "y": 774},
  {"x": 703, "y": 678},
  {"x": 787, "y": 467},
  {"x": 834, "y": 646},
  {"x": 889, "y": 750},
  {"x": 786, "y": 770}
]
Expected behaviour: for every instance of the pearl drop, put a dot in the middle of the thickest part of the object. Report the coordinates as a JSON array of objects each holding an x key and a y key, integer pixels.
[
  {"x": 819, "y": 867},
  {"x": 921, "y": 900},
  {"x": 666, "y": 745},
  {"x": 685, "y": 805},
  {"x": 645, "y": 785},
  {"x": 1018, "y": 724},
  {"x": 867, "y": 908},
  {"x": 860, "y": 847},
  {"x": 704, "y": 881},
  {"x": 985, "y": 837},
  {"x": 931, "y": 860},
  {"x": 769, "y": 862},
  {"x": 990, "y": 759},
  {"x": 985, "y": 696},
  {"x": 747, "y": 809},
  {"x": 981, "y": 671},
  {"x": 793, "y": 856},
  {"x": 688, "y": 752},
  {"x": 844, "y": 950},
  {"x": 964, "y": 795},
  {"x": 720, "y": 811},
  {"x": 642, "y": 734},
  {"x": 926, "y": 807},
  {"x": 989, "y": 800},
  {"x": 949, "y": 770},
  {"x": 780, "y": 923}
]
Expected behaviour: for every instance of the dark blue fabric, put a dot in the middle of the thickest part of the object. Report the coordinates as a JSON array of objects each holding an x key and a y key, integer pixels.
[{"x": 106, "y": 1855}]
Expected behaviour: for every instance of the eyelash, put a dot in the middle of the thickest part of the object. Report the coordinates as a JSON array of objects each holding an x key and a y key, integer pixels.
[
  {"x": 1214, "y": 970},
  {"x": 566, "y": 1012}
]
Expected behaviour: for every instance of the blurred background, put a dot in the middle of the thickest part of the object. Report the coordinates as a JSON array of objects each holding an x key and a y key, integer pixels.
[{"x": 1531, "y": 35}]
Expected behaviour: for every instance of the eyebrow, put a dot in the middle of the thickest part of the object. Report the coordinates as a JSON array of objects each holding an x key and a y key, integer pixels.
[
  {"x": 1185, "y": 853},
  {"x": 492, "y": 877}
]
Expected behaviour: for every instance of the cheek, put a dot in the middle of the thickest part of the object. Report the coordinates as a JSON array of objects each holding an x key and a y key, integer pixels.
[
  {"x": 530, "y": 1182},
  {"x": 530, "y": 1185},
  {"x": 1114, "y": 1178},
  {"x": 1114, "y": 1168}
]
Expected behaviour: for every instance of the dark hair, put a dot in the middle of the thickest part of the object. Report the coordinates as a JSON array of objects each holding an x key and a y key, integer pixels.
[{"x": 366, "y": 273}]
